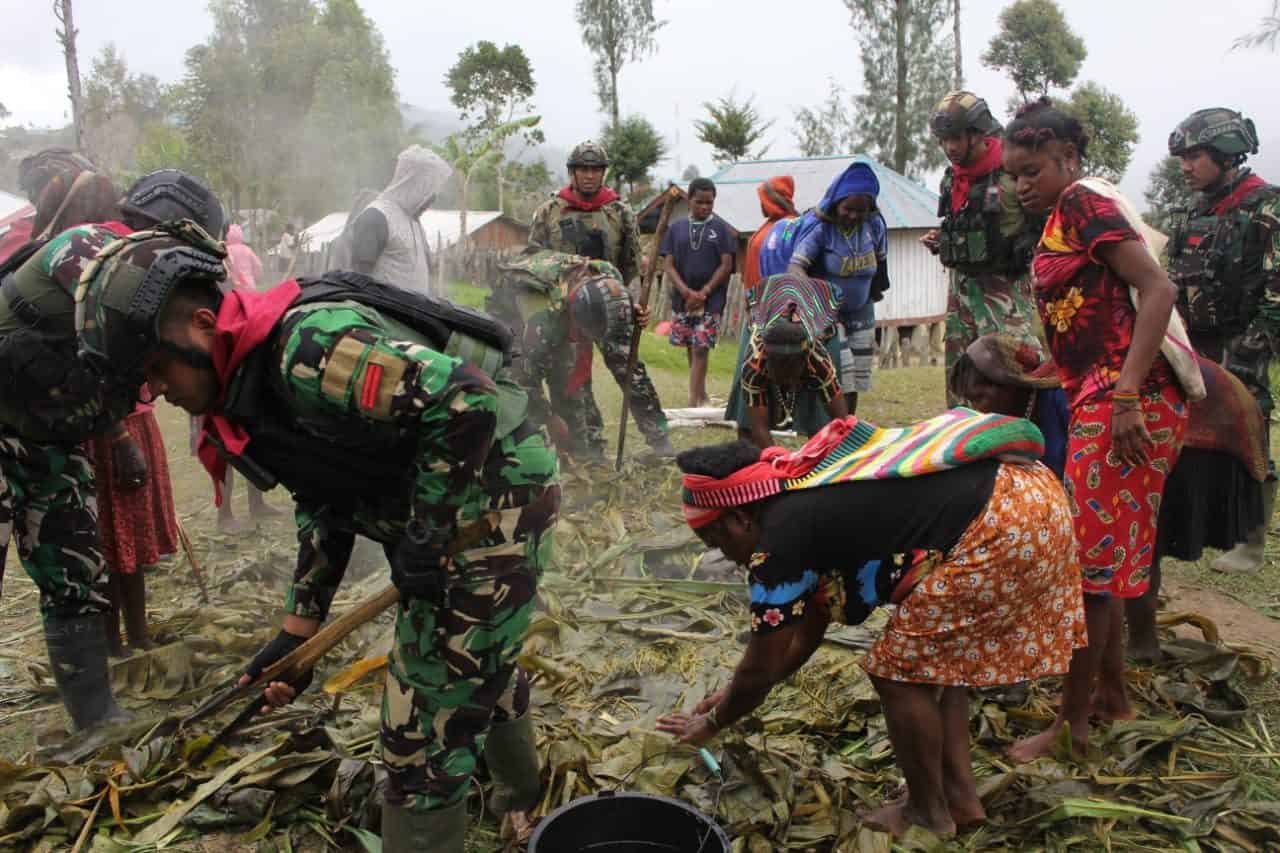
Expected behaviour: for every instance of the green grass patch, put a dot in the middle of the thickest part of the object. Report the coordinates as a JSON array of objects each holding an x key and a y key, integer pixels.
[{"x": 466, "y": 293}]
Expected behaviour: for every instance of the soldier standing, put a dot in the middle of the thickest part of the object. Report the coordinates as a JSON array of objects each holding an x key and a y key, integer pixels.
[
  {"x": 589, "y": 219},
  {"x": 561, "y": 307},
  {"x": 49, "y": 405},
  {"x": 362, "y": 415},
  {"x": 1224, "y": 256},
  {"x": 984, "y": 239}
]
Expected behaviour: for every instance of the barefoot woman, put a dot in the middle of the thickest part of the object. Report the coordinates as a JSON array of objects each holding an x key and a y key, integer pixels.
[
  {"x": 1128, "y": 409},
  {"x": 977, "y": 553}
]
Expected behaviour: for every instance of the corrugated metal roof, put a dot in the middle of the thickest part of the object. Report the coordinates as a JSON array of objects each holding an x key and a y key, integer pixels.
[
  {"x": 10, "y": 204},
  {"x": 441, "y": 227},
  {"x": 904, "y": 203}
]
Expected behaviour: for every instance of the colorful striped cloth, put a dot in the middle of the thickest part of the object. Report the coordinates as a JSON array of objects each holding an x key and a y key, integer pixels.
[
  {"x": 810, "y": 301},
  {"x": 956, "y": 437},
  {"x": 849, "y": 449}
]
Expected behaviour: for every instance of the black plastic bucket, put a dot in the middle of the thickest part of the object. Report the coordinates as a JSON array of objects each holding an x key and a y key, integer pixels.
[{"x": 627, "y": 823}]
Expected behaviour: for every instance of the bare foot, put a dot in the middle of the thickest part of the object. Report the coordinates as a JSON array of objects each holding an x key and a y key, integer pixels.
[
  {"x": 897, "y": 817},
  {"x": 1041, "y": 745},
  {"x": 230, "y": 525},
  {"x": 966, "y": 809},
  {"x": 1112, "y": 705},
  {"x": 517, "y": 829},
  {"x": 1144, "y": 650}
]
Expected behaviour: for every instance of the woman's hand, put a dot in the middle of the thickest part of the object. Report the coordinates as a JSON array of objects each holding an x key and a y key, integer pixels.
[
  {"x": 693, "y": 729},
  {"x": 129, "y": 464},
  {"x": 1130, "y": 440}
]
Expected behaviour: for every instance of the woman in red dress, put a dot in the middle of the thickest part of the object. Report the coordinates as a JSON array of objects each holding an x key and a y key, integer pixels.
[{"x": 1128, "y": 409}]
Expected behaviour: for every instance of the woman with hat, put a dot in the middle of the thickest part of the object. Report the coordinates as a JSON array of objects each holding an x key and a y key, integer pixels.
[
  {"x": 844, "y": 241},
  {"x": 1009, "y": 375}
]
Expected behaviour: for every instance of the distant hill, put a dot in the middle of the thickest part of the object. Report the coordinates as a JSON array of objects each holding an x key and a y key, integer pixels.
[{"x": 435, "y": 125}]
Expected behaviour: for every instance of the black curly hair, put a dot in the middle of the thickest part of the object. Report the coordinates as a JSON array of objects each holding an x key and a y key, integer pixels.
[
  {"x": 718, "y": 460},
  {"x": 1040, "y": 122}
]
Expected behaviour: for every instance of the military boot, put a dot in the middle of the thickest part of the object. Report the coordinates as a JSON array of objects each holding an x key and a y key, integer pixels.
[
  {"x": 510, "y": 752},
  {"x": 1248, "y": 555},
  {"x": 78, "y": 658},
  {"x": 415, "y": 831}
]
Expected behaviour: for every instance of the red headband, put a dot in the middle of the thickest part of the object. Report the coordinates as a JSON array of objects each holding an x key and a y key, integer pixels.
[{"x": 706, "y": 498}]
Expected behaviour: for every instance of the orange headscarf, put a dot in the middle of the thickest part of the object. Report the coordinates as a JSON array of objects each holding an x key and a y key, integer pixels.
[{"x": 776, "y": 202}]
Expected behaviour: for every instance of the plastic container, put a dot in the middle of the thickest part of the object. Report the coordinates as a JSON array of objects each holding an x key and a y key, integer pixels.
[{"x": 628, "y": 823}]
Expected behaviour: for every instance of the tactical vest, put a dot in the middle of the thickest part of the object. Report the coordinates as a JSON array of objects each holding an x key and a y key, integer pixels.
[
  {"x": 1208, "y": 257},
  {"x": 341, "y": 461},
  {"x": 38, "y": 353},
  {"x": 590, "y": 233},
  {"x": 971, "y": 241}
]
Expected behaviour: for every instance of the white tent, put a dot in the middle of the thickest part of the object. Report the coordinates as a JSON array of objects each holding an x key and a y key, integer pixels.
[{"x": 442, "y": 227}]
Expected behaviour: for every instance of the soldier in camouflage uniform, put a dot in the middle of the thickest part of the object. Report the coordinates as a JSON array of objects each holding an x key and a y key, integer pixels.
[
  {"x": 587, "y": 218},
  {"x": 1224, "y": 256},
  {"x": 985, "y": 239},
  {"x": 49, "y": 405},
  {"x": 376, "y": 431},
  {"x": 560, "y": 306}
]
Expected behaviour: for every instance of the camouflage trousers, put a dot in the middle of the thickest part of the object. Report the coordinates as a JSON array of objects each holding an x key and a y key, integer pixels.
[
  {"x": 452, "y": 670},
  {"x": 48, "y": 504},
  {"x": 581, "y": 414},
  {"x": 981, "y": 304}
]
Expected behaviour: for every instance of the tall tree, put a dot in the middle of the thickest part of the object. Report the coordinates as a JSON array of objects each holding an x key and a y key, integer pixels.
[
  {"x": 67, "y": 38},
  {"x": 1112, "y": 128},
  {"x": 290, "y": 104},
  {"x": 117, "y": 105},
  {"x": 1266, "y": 35},
  {"x": 489, "y": 87},
  {"x": 1036, "y": 47},
  {"x": 732, "y": 129},
  {"x": 905, "y": 68},
  {"x": 635, "y": 147},
  {"x": 1166, "y": 190},
  {"x": 955, "y": 36},
  {"x": 825, "y": 130},
  {"x": 616, "y": 32}
]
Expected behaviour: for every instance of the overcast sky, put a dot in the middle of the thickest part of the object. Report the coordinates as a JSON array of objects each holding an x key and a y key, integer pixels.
[{"x": 1165, "y": 58}]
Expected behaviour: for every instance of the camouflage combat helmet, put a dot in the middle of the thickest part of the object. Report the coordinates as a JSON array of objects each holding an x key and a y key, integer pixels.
[
  {"x": 168, "y": 194},
  {"x": 960, "y": 111},
  {"x": 589, "y": 153},
  {"x": 601, "y": 308},
  {"x": 35, "y": 172},
  {"x": 123, "y": 291},
  {"x": 1223, "y": 130}
]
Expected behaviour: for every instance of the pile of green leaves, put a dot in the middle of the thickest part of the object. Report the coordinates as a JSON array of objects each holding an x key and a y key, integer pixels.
[{"x": 635, "y": 623}]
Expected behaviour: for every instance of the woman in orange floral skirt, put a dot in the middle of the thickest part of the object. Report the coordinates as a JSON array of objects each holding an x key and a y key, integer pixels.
[{"x": 978, "y": 557}]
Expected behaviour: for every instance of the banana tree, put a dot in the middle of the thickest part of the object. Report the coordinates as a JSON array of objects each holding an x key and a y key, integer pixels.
[{"x": 468, "y": 153}]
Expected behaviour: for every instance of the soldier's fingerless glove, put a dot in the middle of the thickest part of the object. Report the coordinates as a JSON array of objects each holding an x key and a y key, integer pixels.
[
  {"x": 419, "y": 567},
  {"x": 281, "y": 644}
]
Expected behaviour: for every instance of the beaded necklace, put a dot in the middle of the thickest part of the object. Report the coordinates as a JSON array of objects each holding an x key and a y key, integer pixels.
[{"x": 695, "y": 243}]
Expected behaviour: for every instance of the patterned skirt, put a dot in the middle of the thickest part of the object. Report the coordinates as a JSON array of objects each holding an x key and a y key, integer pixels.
[
  {"x": 1115, "y": 506},
  {"x": 136, "y": 528},
  {"x": 1005, "y": 606}
]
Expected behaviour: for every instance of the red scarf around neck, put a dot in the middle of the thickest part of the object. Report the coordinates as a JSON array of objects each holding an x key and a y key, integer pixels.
[
  {"x": 245, "y": 320},
  {"x": 1232, "y": 199},
  {"x": 603, "y": 196},
  {"x": 962, "y": 177}
]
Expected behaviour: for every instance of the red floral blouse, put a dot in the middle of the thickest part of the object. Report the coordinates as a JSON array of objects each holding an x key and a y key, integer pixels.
[{"x": 1086, "y": 308}]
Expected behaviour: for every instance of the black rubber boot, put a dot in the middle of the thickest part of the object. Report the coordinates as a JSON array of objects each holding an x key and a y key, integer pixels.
[
  {"x": 78, "y": 658},
  {"x": 510, "y": 753},
  {"x": 436, "y": 831}
]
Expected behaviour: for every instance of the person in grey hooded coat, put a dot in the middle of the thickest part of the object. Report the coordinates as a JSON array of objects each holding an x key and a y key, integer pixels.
[{"x": 388, "y": 242}]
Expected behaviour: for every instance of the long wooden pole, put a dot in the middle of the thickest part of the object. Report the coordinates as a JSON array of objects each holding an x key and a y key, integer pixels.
[{"x": 646, "y": 283}]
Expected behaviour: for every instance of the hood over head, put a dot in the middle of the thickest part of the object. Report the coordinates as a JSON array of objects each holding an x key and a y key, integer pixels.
[
  {"x": 235, "y": 234},
  {"x": 420, "y": 175}
]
